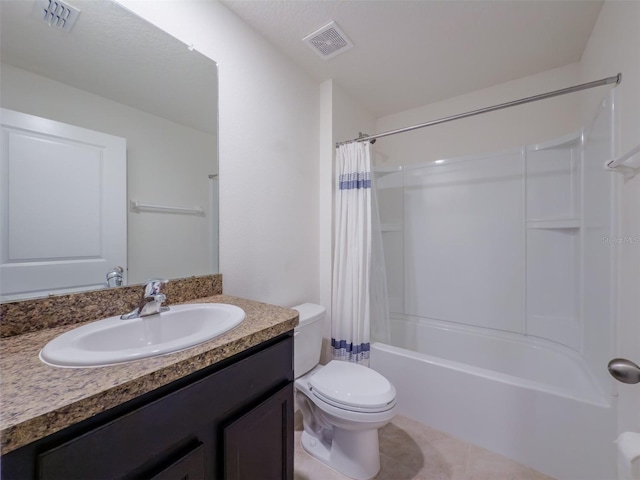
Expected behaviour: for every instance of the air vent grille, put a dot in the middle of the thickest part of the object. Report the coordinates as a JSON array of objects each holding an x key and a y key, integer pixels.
[
  {"x": 58, "y": 14},
  {"x": 328, "y": 41}
]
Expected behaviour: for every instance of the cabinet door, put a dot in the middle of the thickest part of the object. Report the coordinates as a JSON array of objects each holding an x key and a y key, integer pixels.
[{"x": 254, "y": 441}]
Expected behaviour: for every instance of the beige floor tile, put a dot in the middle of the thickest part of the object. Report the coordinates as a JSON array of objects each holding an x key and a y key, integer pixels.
[
  {"x": 486, "y": 465},
  {"x": 429, "y": 451},
  {"x": 401, "y": 446},
  {"x": 412, "y": 451},
  {"x": 393, "y": 470}
]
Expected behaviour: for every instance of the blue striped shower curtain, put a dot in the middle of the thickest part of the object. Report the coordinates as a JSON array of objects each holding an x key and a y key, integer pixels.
[{"x": 351, "y": 302}]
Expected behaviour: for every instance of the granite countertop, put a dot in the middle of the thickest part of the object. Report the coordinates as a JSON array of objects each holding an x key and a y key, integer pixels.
[{"x": 38, "y": 400}]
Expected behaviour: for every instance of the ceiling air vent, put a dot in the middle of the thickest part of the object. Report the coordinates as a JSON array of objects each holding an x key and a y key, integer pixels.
[
  {"x": 328, "y": 41},
  {"x": 57, "y": 14}
]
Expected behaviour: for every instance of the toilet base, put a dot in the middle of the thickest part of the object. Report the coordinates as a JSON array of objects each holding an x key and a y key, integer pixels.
[{"x": 352, "y": 453}]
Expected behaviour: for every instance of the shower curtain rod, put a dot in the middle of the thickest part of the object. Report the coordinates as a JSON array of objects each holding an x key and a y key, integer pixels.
[{"x": 576, "y": 88}]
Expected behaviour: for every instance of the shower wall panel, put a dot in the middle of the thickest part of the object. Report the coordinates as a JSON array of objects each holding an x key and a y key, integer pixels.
[
  {"x": 464, "y": 242},
  {"x": 601, "y": 242},
  {"x": 553, "y": 239},
  {"x": 389, "y": 186}
]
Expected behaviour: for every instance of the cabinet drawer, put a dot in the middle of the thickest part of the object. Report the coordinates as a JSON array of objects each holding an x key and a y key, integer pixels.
[{"x": 187, "y": 467}]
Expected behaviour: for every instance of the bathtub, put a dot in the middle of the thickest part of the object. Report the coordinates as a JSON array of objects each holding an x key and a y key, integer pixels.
[{"x": 528, "y": 399}]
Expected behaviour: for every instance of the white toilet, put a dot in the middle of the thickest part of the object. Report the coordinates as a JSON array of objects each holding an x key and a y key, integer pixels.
[{"x": 343, "y": 404}]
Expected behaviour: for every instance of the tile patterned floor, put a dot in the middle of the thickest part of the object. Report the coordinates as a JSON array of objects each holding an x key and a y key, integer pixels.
[{"x": 410, "y": 450}]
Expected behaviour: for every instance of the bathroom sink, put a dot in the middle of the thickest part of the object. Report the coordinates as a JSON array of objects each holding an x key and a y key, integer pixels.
[{"x": 113, "y": 340}]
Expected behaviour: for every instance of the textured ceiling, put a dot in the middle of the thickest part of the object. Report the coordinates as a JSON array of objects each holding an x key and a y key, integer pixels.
[
  {"x": 117, "y": 55},
  {"x": 412, "y": 53}
]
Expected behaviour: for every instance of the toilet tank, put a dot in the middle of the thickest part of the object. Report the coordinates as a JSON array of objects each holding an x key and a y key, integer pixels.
[{"x": 307, "y": 340}]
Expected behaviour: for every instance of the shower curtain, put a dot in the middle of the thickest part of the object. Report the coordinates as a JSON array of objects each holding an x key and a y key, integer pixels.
[{"x": 358, "y": 291}]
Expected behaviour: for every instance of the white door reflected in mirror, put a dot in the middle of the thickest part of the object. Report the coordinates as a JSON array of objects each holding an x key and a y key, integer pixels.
[{"x": 63, "y": 206}]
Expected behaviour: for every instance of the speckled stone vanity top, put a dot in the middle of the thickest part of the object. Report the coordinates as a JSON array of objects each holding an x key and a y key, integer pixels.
[{"x": 38, "y": 400}]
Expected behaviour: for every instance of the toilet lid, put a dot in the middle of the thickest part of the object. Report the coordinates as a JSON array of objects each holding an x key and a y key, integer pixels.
[{"x": 352, "y": 385}]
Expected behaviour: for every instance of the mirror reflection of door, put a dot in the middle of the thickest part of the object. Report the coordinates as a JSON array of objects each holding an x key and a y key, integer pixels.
[{"x": 63, "y": 210}]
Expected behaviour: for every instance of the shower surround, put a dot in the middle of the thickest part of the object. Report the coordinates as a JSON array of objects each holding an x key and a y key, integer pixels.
[{"x": 501, "y": 287}]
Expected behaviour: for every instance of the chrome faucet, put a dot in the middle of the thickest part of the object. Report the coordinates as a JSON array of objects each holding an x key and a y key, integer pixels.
[
  {"x": 114, "y": 277},
  {"x": 151, "y": 301}
]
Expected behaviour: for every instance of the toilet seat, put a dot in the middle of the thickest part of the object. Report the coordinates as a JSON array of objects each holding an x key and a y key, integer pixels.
[{"x": 352, "y": 387}]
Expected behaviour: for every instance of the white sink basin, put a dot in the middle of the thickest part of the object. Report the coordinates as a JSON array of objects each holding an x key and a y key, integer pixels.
[{"x": 112, "y": 340}]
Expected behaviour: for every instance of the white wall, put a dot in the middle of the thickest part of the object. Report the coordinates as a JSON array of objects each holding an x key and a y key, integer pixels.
[
  {"x": 492, "y": 132},
  {"x": 269, "y": 173},
  {"x": 350, "y": 118},
  {"x": 326, "y": 180},
  {"x": 155, "y": 242},
  {"x": 614, "y": 46}
]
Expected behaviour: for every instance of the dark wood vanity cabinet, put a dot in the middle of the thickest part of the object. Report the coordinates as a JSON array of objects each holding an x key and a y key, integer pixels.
[{"x": 233, "y": 420}]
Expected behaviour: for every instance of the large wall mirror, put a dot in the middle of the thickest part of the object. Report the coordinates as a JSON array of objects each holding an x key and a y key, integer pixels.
[{"x": 109, "y": 135}]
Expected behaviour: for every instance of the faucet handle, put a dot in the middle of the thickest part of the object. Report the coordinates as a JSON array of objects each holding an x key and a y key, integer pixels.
[
  {"x": 154, "y": 286},
  {"x": 151, "y": 301}
]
